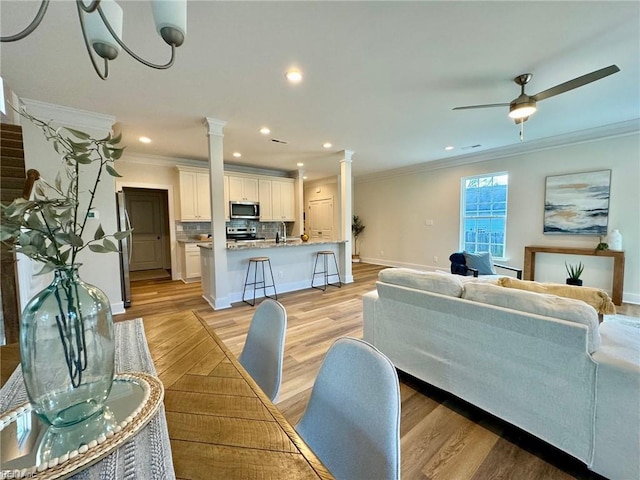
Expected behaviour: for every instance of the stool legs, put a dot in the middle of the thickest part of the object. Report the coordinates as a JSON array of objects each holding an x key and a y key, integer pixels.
[
  {"x": 258, "y": 284},
  {"x": 325, "y": 272}
]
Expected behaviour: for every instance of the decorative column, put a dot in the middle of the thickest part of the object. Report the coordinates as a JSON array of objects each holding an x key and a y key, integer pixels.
[
  {"x": 300, "y": 209},
  {"x": 219, "y": 290},
  {"x": 346, "y": 201}
]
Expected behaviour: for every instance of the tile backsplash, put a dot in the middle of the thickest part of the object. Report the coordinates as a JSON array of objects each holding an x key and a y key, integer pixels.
[{"x": 191, "y": 230}]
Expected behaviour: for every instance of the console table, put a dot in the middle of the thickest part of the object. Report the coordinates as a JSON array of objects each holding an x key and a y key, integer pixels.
[{"x": 618, "y": 264}]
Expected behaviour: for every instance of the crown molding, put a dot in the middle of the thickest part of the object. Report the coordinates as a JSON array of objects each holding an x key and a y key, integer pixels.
[
  {"x": 68, "y": 116},
  {"x": 161, "y": 161},
  {"x": 621, "y": 129}
]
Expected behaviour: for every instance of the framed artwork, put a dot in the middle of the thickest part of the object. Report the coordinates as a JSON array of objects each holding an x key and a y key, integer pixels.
[{"x": 577, "y": 203}]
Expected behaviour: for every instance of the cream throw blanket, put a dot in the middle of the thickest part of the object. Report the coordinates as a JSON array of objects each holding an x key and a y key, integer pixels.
[{"x": 598, "y": 299}]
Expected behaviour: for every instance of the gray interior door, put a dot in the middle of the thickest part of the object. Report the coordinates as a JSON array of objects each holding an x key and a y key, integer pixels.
[{"x": 146, "y": 209}]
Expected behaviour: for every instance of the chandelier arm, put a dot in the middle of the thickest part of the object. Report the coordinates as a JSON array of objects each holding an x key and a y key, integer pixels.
[
  {"x": 86, "y": 44},
  {"x": 130, "y": 52},
  {"x": 31, "y": 27},
  {"x": 92, "y": 6}
]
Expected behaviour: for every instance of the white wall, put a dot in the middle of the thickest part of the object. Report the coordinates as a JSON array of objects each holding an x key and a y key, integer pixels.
[
  {"x": 394, "y": 209},
  {"x": 101, "y": 270}
]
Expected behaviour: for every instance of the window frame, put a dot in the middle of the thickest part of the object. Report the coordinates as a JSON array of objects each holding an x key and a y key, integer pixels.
[{"x": 464, "y": 217}]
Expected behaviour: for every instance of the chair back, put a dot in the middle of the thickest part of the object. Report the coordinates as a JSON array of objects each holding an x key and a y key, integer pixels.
[
  {"x": 263, "y": 351},
  {"x": 458, "y": 264},
  {"x": 352, "y": 420}
]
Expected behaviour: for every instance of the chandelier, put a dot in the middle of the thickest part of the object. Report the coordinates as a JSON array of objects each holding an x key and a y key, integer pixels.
[{"x": 101, "y": 24}]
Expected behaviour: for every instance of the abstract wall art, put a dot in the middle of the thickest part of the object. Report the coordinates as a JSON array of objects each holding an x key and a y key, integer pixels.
[{"x": 577, "y": 204}]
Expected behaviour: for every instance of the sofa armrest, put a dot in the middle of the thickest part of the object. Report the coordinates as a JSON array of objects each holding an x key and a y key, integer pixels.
[{"x": 513, "y": 269}]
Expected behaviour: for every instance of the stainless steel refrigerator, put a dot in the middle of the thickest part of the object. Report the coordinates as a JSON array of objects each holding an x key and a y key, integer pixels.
[{"x": 125, "y": 248}]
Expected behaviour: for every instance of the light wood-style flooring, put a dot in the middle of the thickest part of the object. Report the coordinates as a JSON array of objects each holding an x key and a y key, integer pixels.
[{"x": 442, "y": 437}]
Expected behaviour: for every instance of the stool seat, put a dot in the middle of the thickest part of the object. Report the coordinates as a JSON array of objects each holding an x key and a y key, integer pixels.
[
  {"x": 258, "y": 284},
  {"x": 325, "y": 254}
]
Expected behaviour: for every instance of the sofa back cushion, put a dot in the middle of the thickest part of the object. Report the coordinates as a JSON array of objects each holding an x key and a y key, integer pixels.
[
  {"x": 444, "y": 284},
  {"x": 541, "y": 304}
]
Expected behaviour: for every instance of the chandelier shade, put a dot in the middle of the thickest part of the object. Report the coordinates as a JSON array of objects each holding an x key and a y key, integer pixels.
[
  {"x": 101, "y": 23},
  {"x": 98, "y": 35}
]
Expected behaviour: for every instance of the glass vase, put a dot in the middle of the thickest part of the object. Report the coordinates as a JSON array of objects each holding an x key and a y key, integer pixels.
[{"x": 67, "y": 347}]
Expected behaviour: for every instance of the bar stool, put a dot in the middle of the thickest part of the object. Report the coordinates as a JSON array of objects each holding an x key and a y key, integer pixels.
[
  {"x": 257, "y": 284},
  {"x": 324, "y": 254}
]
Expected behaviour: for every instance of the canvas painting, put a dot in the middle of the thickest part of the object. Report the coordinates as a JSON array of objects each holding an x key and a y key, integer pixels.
[{"x": 577, "y": 204}]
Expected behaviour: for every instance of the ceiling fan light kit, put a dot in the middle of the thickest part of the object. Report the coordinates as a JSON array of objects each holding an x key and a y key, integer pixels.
[
  {"x": 525, "y": 105},
  {"x": 101, "y": 23}
]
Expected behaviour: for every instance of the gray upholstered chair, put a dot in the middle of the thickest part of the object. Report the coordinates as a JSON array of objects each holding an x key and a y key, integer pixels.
[
  {"x": 352, "y": 420},
  {"x": 263, "y": 351}
]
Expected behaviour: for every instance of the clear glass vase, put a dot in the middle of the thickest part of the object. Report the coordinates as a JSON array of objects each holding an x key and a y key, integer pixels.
[{"x": 67, "y": 347}]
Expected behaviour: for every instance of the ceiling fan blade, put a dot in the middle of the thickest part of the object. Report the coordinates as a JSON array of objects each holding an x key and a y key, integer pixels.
[
  {"x": 576, "y": 82},
  {"x": 489, "y": 105}
]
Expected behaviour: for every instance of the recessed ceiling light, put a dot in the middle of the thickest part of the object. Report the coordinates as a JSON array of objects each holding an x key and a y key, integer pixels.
[
  {"x": 145, "y": 139},
  {"x": 449, "y": 147},
  {"x": 300, "y": 164},
  {"x": 237, "y": 154},
  {"x": 327, "y": 145},
  {"x": 304, "y": 178},
  {"x": 265, "y": 131},
  {"x": 293, "y": 75}
]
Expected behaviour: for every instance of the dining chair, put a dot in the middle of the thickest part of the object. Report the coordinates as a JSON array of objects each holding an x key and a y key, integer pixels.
[
  {"x": 352, "y": 420},
  {"x": 263, "y": 350}
]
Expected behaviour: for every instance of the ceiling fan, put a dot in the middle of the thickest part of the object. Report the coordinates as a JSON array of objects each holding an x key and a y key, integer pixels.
[{"x": 521, "y": 108}]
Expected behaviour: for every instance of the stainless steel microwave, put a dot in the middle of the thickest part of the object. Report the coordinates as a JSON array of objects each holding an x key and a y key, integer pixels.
[{"x": 244, "y": 210}]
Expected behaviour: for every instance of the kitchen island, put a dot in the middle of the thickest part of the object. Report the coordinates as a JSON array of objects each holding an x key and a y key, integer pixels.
[{"x": 292, "y": 264}]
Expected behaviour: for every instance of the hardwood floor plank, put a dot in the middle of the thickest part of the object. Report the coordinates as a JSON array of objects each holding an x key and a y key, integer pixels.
[{"x": 442, "y": 436}]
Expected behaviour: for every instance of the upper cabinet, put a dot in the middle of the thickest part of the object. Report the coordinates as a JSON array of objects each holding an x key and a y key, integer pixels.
[
  {"x": 195, "y": 199},
  {"x": 266, "y": 211},
  {"x": 282, "y": 200},
  {"x": 243, "y": 189}
]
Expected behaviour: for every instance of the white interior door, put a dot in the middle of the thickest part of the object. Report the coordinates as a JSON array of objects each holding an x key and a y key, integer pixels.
[
  {"x": 320, "y": 219},
  {"x": 145, "y": 210}
]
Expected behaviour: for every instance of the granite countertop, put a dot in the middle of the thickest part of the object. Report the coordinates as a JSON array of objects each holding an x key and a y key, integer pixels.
[
  {"x": 272, "y": 244},
  {"x": 193, "y": 240}
]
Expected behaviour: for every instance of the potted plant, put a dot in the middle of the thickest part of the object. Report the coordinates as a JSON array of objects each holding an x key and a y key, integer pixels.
[
  {"x": 357, "y": 227},
  {"x": 66, "y": 330},
  {"x": 574, "y": 272}
]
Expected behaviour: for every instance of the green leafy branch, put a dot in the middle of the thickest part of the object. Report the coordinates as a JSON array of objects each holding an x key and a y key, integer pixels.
[{"x": 50, "y": 227}]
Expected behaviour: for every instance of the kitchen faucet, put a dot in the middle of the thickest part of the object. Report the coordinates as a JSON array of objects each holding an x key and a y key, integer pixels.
[{"x": 284, "y": 232}]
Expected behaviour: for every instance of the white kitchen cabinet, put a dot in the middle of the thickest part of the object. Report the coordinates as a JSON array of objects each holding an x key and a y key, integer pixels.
[
  {"x": 191, "y": 262},
  {"x": 243, "y": 189},
  {"x": 195, "y": 199},
  {"x": 266, "y": 202},
  {"x": 282, "y": 200}
]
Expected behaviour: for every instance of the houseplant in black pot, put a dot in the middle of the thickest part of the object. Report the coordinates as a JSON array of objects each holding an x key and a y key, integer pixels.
[
  {"x": 574, "y": 272},
  {"x": 357, "y": 227}
]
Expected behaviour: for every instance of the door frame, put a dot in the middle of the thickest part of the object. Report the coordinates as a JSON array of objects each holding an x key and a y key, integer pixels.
[{"x": 120, "y": 184}]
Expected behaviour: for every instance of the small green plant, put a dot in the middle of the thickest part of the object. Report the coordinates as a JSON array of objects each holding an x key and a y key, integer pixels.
[
  {"x": 574, "y": 271},
  {"x": 357, "y": 227}
]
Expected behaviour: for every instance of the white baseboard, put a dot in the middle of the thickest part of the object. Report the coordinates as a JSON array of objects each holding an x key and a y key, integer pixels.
[{"x": 117, "y": 308}]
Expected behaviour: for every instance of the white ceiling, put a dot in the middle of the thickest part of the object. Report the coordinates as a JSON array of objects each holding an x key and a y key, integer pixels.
[{"x": 380, "y": 78}]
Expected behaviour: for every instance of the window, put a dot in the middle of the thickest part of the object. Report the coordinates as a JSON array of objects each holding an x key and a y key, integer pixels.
[{"x": 484, "y": 213}]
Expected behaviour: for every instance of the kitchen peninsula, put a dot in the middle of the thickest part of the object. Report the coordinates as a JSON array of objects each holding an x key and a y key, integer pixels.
[{"x": 292, "y": 263}]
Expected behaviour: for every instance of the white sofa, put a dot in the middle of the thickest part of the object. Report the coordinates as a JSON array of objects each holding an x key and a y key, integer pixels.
[{"x": 540, "y": 362}]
